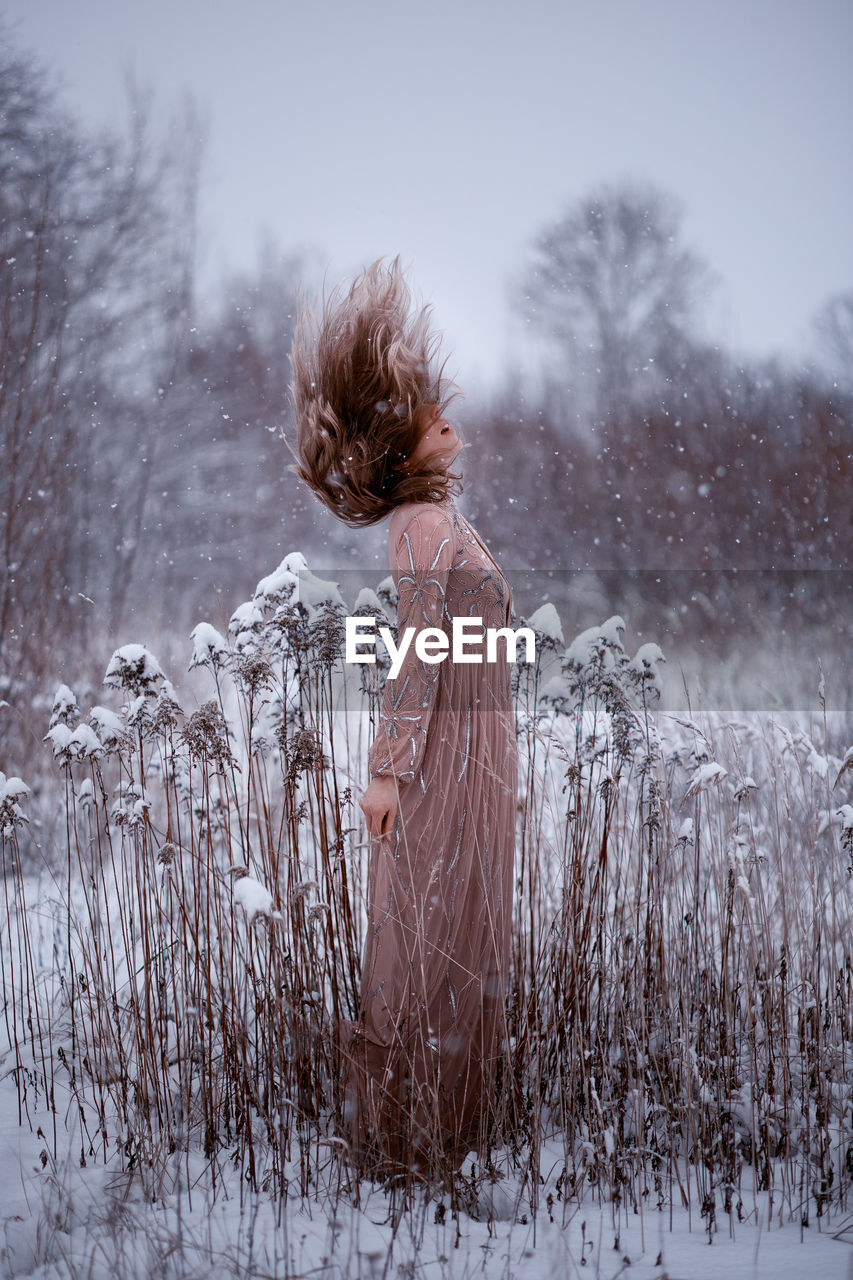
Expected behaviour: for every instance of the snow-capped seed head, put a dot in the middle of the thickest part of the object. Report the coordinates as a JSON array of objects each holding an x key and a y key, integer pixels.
[
  {"x": 744, "y": 787},
  {"x": 315, "y": 593},
  {"x": 59, "y": 738},
  {"x": 85, "y": 793},
  {"x": 644, "y": 668},
  {"x": 138, "y": 711},
  {"x": 706, "y": 776},
  {"x": 209, "y": 647},
  {"x": 368, "y": 605},
  {"x": 166, "y": 710},
  {"x": 65, "y": 709},
  {"x": 597, "y": 645},
  {"x": 11, "y": 815},
  {"x": 110, "y": 728},
  {"x": 647, "y": 656},
  {"x": 255, "y": 898},
  {"x": 246, "y": 618},
  {"x": 134, "y": 668},
  {"x": 85, "y": 744},
  {"x": 281, "y": 584},
  {"x": 545, "y": 621},
  {"x": 130, "y": 805}
]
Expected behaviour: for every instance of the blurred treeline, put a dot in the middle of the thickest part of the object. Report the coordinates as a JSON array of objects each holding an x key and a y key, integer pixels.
[{"x": 143, "y": 478}]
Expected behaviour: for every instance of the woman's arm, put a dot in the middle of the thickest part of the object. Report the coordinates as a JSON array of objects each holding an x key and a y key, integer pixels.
[{"x": 420, "y": 561}]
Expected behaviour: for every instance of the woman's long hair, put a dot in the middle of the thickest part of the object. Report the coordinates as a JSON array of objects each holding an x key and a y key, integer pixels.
[{"x": 363, "y": 372}]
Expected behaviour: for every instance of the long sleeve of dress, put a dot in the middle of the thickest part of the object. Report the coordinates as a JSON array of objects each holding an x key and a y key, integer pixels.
[{"x": 420, "y": 563}]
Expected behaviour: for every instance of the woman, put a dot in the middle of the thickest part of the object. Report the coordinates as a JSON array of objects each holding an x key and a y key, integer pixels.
[{"x": 373, "y": 441}]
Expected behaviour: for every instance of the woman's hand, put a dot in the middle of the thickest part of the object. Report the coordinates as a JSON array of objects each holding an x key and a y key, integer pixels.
[{"x": 379, "y": 805}]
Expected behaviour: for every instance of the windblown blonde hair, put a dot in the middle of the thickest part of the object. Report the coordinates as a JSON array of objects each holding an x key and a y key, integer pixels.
[{"x": 362, "y": 372}]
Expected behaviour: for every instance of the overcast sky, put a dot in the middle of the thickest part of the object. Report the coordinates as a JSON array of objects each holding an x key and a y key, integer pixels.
[{"x": 451, "y": 131}]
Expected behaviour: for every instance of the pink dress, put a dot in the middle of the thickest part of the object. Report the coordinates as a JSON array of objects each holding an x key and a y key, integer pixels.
[{"x": 421, "y": 1062}]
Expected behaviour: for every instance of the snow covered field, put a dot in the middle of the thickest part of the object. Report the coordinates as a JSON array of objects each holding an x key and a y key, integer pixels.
[
  {"x": 68, "y": 1221},
  {"x": 680, "y": 1089}
]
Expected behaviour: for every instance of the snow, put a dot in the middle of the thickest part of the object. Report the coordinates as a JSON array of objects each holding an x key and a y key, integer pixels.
[
  {"x": 12, "y": 788},
  {"x": 554, "y": 689},
  {"x": 64, "y": 706},
  {"x": 585, "y": 647},
  {"x": 368, "y": 602},
  {"x": 706, "y": 776},
  {"x": 645, "y": 664},
  {"x": 132, "y": 667},
  {"x": 11, "y": 814},
  {"x": 137, "y": 709},
  {"x": 60, "y": 1219},
  {"x": 84, "y": 743},
  {"x": 110, "y": 726},
  {"x": 245, "y": 617},
  {"x": 131, "y": 803},
  {"x": 59, "y": 737},
  {"x": 291, "y": 581},
  {"x": 86, "y": 1215},
  {"x": 818, "y": 764},
  {"x": 279, "y": 585},
  {"x": 316, "y": 592},
  {"x": 610, "y": 630},
  {"x": 841, "y": 817},
  {"x": 546, "y": 620},
  {"x": 168, "y": 691},
  {"x": 208, "y": 645},
  {"x": 254, "y": 897}
]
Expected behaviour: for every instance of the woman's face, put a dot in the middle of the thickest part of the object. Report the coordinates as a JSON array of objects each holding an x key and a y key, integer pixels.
[{"x": 438, "y": 441}]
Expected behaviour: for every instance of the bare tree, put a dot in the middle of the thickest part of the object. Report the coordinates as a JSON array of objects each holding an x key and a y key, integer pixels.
[
  {"x": 224, "y": 506},
  {"x": 92, "y": 281},
  {"x": 834, "y": 326},
  {"x": 613, "y": 289}
]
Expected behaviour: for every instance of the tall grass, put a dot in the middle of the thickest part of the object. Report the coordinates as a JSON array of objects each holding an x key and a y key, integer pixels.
[{"x": 681, "y": 995}]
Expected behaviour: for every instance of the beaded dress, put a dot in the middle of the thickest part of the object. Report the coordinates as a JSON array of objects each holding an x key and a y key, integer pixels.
[{"x": 422, "y": 1059}]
